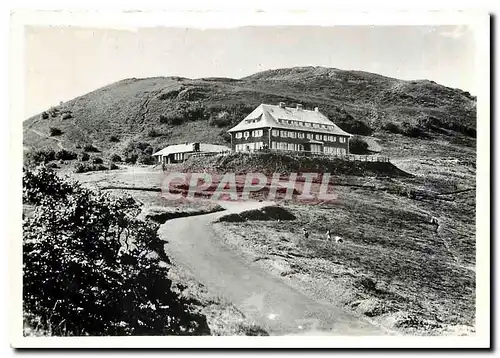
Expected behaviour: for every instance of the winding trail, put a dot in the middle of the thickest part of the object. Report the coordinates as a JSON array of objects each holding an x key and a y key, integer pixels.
[
  {"x": 277, "y": 307},
  {"x": 41, "y": 134}
]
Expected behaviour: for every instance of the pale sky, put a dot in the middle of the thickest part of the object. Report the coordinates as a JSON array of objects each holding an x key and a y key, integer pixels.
[{"x": 65, "y": 62}]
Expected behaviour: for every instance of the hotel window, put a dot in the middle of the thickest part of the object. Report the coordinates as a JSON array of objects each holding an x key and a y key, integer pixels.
[
  {"x": 316, "y": 125},
  {"x": 293, "y": 135},
  {"x": 309, "y": 136},
  {"x": 300, "y": 135},
  {"x": 319, "y": 137},
  {"x": 238, "y": 135},
  {"x": 342, "y": 140},
  {"x": 246, "y": 135},
  {"x": 334, "y": 139},
  {"x": 283, "y": 134},
  {"x": 257, "y": 133},
  {"x": 275, "y": 133},
  {"x": 315, "y": 148}
]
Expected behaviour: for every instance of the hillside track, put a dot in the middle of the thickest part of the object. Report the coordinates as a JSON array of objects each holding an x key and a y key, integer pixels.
[{"x": 41, "y": 134}]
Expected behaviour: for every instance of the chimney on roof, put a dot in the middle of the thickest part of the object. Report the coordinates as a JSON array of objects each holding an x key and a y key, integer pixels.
[
  {"x": 299, "y": 107},
  {"x": 282, "y": 104},
  {"x": 316, "y": 109}
]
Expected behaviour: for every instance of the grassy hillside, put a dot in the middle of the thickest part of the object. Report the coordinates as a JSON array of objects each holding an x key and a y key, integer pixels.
[{"x": 164, "y": 110}]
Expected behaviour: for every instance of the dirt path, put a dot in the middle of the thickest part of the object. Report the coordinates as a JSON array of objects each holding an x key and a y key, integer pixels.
[
  {"x": 277, "y": 307},
  {"x": 41, "y": 134}
]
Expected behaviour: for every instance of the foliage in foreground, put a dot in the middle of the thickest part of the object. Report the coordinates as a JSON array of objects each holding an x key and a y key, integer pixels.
[{"x": 90, "y": 267}]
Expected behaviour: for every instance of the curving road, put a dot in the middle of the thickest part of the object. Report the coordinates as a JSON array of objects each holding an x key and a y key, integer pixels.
[{"x": 274, "y": 305}]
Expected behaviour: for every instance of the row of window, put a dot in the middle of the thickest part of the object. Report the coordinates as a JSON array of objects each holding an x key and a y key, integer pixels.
[
  {"x": 335, "y": 151},
  {"x": 305, "y": 124},
  {"x": 256, "y": 134},
  {"x": 179, "y": 156},
  {"x": 249, "y": 146},
  {"x": 315, "y": 148},
  {"x": 288, "y": 134},
  {"x": 287, "y": 146}
]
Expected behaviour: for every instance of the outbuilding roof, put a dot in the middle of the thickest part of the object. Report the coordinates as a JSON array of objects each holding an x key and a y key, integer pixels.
[
  {"x": 189, "y": 147},
  {"x": 276, "y": 116}
]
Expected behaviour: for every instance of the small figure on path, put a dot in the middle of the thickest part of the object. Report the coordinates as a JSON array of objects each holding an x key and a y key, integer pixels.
[
  {"x": 435, "y": 222},
  {"x": 339, "y": 240},
  {"x": 329, "y": 235},
  {"x": 306, "y": 233}
]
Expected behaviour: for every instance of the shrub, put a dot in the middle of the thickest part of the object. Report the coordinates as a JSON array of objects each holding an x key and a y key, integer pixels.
[
  {"x": 116, "y": 158},
  {"x": 90, "y": 148},
  {"x": 91, "y": 267},
  {"x": 113, "y": 166},
  {"x": 411, "y": 130},
  {"x": 54, "y": 112},
  {"x": 64, "y": 154},
  {"x": 391, "y": 127},
  {"x": 84, "y": 157},
  {"x": 146, "y": 159},
  {"x": 358, "y": 146},
  {"x": 356, "y": 127},
  {"x": 153, "y": 133},
  {"x": 114, "y": 139},
  {"x": 87, "y": 167},
  {"x": 226, "y": 137},
  {"x": 139, "y": 151},
  {"x": 174, "y": 119},
  {"x": 82, "y": 168},
  {"x": 220, "y": 120},
  {"x": 40, "y": 156},
  {"x": 97, "y": 160},
  {"x": 53, "y": 131},
  {"x": 132, "y": 159},
  {"x": 45, "y": 115}
]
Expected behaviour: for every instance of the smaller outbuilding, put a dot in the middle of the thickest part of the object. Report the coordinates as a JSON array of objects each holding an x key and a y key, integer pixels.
[{"x": 178, "y": 153}]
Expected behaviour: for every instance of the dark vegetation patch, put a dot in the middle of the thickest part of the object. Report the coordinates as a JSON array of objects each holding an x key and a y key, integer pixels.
[
  {"x": 116, "y": 158},
  {"x": 263, "y": 214},
  {"x": 138, "y": 152},
  {"x": 358, "y": 146},
  {"x": 84, "y": 157},
  {"x": 90, "y": 148},
  {"x": 94, "y": 268},
  {"x": 54, "y": 131},
  {"x": 87, "y": 167}
]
